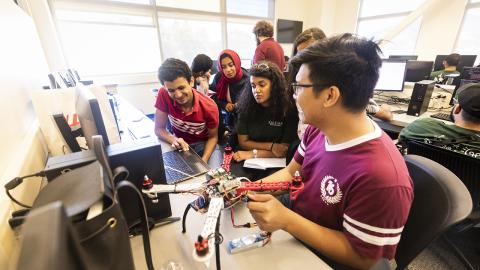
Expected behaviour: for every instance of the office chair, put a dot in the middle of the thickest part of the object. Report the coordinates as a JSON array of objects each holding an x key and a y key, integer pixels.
[
  {"x": 464, "y": 167},
  {"x": 440, "y": 201}
]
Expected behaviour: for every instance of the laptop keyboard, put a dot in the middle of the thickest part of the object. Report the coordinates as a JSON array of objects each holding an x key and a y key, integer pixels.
[
  {"x": 441, "y": 116},
  {"x": 176, "y": 168}
]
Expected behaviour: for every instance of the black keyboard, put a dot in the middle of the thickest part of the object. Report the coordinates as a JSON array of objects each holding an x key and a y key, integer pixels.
[
  {"x": 176, "y": 167},
  {"x": 441, "y": 116}
]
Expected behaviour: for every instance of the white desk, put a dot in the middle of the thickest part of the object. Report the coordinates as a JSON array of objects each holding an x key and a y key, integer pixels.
[{"x": 168, "y": 242}]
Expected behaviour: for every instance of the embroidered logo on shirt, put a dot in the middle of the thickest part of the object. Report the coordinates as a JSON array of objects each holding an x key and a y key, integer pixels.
[
  {"x": 275, "y": 123},
  {"x": 330, "y": 190}
]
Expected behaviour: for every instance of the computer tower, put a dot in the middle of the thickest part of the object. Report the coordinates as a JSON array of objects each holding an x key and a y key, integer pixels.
[
  {"x": 140, "y": 157},
  {"x": 422, "y": 92}
]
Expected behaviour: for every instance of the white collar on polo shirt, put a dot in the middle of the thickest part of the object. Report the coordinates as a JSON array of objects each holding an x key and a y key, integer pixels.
[{"x": 377, "y": 132}]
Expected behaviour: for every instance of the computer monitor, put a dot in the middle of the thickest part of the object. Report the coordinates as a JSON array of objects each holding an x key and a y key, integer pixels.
[
  {"x": 465, "y": 61},
  {"x": 140, "y": 157},
  {"x": 392, "y": 75},
  {"x": 468, "y": 75},
  {"x": 288, "y": 30},
  {"x": 418, "y": 70},
  {"x": 403, "y": 57},
  {"x": 95, "y": 114}
]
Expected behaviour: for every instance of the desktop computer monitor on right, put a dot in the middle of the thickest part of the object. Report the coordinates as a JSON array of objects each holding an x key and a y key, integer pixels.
[
  {"x": 465, "y": 61},
  {"x": 468, "y": 75},
  {"x": 418, "y": 70},
  {"x": 392, "y": 75},
  {"x": 403, "y": 57}
]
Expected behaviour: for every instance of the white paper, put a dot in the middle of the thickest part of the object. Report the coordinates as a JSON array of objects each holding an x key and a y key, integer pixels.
[{"x": 265, "y": 163}]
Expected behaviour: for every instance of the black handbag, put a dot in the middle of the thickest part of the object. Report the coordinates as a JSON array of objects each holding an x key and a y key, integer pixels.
[{"x": 103, "y": 236}]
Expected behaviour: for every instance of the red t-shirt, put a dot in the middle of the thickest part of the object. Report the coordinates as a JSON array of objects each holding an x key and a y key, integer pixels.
[
  {"x": 192, "y": 127},
  {"x": 361, "y": 187},
  {"x": 271, "y": 51}
]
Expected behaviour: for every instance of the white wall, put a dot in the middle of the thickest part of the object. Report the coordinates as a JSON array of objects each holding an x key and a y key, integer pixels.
[{"x": 22, "y": 68}]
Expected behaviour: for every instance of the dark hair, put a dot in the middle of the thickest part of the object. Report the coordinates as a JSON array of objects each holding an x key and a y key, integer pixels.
[
  {"x": 347, "y": 61},
  {"x": 201, "y": 64},
  {"x": 263, "y": 28},
  {"x": 453, "y": 59},
  {"x": 280, "y": 104},
  {"x": 313, "y": 33},
  {"x": 172, "y": 69},
  {"x": 470, "y": 118},
  {"x": 225, "y": 55}
]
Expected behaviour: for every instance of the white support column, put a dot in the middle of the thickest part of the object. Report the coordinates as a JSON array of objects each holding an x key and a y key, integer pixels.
[{"x": 40, "y": 12}]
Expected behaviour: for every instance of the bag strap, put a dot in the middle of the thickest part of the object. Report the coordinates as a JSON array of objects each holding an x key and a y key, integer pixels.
[
  {"x": 102, "y": 157},
  {"x": 143, "y": 213}
]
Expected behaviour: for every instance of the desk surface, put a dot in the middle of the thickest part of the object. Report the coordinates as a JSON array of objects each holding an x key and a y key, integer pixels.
[{"x": 169, "y": 244}]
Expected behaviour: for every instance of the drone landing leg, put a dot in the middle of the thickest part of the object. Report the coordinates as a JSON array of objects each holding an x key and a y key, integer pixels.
[
  {"x": 218, "y": 241},
  {"x": 185, "y": 218}
]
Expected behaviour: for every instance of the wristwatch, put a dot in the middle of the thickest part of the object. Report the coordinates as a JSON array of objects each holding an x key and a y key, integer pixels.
[{"x": 255, "y": 152}]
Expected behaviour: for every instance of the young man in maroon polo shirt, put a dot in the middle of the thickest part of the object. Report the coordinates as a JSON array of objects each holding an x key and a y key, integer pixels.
[
  {"x": 193, "y": 116},
  {"x": 357, "y": 192},
  {"x": 267, "y": 48}
]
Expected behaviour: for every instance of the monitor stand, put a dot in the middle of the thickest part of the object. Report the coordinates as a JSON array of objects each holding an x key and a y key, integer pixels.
[
  {"x": 136, "y": 228},
  {"x": 68, "y": 134}
]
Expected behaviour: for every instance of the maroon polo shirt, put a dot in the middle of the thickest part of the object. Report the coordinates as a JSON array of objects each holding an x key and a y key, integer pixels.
[{"x": 270, "y": 50}]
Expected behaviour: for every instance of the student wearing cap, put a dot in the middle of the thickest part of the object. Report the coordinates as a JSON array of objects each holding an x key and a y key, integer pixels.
[{"x": 466, "y": 118}]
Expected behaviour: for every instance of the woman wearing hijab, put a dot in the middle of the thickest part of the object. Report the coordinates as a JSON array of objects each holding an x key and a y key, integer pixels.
[{"x": 229, "y": 84}]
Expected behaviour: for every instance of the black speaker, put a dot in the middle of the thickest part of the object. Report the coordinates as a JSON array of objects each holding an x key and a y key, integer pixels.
[{"x": 422, "y": 92}]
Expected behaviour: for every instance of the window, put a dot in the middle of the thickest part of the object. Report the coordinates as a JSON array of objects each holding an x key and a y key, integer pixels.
[
  {"x": 204, "y": 5},
  {"x": 468, "y": 41},
  {"x": 241, "y": 39},
  {"x": 112, "y": 37},
  {"x": 184, "y": 38},
  {"x": 378, "y": 17}
]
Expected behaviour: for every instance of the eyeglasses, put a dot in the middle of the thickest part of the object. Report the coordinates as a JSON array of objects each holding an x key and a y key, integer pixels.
[
  {"x": 260, "y": 67},
  {"x": 298, "y": 88}
]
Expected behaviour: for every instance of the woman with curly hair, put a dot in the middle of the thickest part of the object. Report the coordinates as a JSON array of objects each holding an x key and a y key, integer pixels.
[{"x": 267, "y": 118}]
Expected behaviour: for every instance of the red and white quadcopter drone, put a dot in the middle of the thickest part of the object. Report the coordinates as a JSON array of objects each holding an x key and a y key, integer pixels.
[{"x": 221, "y": 191}]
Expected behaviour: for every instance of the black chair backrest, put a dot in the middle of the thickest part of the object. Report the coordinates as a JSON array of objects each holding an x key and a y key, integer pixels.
[
  {"x": 440, "y": 201},
  {"x": 49, "y": 241},
  {"x": 465, "y": 167}
]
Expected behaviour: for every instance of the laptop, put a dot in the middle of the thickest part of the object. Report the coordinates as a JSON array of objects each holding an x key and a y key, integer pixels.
[{"x": 181, "y": 166}]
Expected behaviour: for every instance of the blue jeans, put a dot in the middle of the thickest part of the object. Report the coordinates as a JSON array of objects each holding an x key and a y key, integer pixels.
[{"x": 216, "y": 158}]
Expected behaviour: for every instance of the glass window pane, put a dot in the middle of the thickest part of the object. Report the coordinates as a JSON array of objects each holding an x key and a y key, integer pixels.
[
  {"x": 89, "y": 16},
  {"x": 257, "y": 8},
  {"x": 144, "y": 2},
  {"x": 204, "y": 5},
  {"x": 468, "y": 40},
  {"x": 376, "y": 28},
  {"x": 403, "y": 43},
  {"x": 99, "y": 49},
  {"x": 241, "y": 39},
  {"x": 382, "y": 7},
  {"x": 184, "y": 38}
]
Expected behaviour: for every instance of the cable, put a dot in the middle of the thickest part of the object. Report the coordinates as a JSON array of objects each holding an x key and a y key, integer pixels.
[{"x": 15, "y": 182}]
